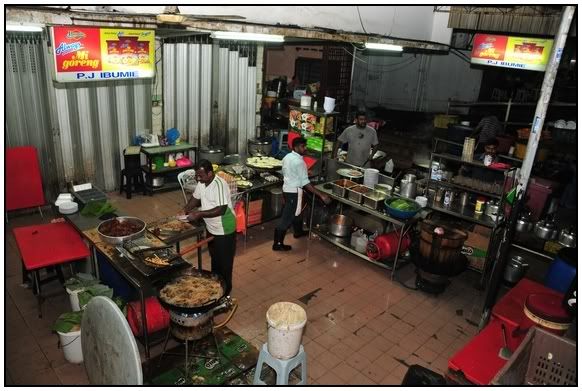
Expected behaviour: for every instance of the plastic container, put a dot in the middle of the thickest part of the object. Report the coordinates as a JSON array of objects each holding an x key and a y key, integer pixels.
[
  {"x": 562, "y": 270},
  {"x": 74, "y": 299},
  {"x": 158, "y": 318},
  {"x": 71, "y": 344},
  {"x": 285, "y": 329},
  {"x": 371, "y": 176},
  {"x": 541, "y": 359}
]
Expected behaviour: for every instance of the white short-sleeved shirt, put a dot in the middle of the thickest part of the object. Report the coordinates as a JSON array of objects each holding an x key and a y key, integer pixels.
[
  {"x": 216, "y": 194},
  {"x": 294, "y": 172}
]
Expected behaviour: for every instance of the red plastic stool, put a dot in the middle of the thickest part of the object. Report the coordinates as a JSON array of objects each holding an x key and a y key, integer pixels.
[{"x": 48, "y": 245}]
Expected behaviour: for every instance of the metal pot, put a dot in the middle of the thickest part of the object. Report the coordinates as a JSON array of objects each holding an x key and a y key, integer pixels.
[
  {"x": 492, "y": 209},
  {"x": 515, "y": 269},
  {"x": 158, "y": 181},
  {"x": 408, "y": 189},
  {"x": 567, "y": 237},
  {"x": 545, "y": 230},
  {"x": 340, "y": 225},
  {"x": 212, "y": 153},
  {"x": 231, "y": 159},
  {"x": 259, "y": 147},
  {"x": 120, "y": 239},
  {"x": 523, "y": 224}
]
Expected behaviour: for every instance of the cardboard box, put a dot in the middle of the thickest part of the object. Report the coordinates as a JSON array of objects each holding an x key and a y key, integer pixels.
[{"x": 475, "y": 248}]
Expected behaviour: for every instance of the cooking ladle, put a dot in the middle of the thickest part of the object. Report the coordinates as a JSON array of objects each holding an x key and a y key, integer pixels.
[{"x": 504, "y": 352}]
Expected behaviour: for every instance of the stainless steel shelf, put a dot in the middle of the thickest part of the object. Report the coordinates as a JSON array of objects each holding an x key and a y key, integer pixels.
[
  {"x": 338, "y": 242},
  {"x": 466, "y": 213},
  {"x": 475, "y": 163},
  {"x": 468, "y": 189},
  {"x": 382, "y": 215}
]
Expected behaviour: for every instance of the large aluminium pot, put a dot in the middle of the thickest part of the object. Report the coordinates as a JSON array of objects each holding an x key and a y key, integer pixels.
[
  {"x": 259, "y": 147},
  {"x": 524, "y": 224},
  {"x": 212, "y": 153},
  {"x": 340, "y": 225},
  {"x": 116, "y": 240}
]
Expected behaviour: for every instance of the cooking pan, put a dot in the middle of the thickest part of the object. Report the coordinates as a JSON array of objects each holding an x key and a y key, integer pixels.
[{"x": 211, "y": 304}]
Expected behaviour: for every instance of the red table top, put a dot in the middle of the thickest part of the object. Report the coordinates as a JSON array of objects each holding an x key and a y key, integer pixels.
[
  {"x": 479, "y": 359},
  {"x": 49, "y": 244}
]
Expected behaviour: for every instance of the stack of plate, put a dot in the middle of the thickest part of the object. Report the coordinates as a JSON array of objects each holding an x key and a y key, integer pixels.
[{"x": 68, "y": 208}]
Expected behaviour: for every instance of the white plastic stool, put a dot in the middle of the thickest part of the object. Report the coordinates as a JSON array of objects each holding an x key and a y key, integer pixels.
[{"x": 283, "y": 368}]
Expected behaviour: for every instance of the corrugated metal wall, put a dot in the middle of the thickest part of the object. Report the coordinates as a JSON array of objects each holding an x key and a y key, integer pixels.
[
  {"x": 413, "y": 82},
  {"x": 199, "y": 107},
  {"x": 538, "y": 20},
  {"x": 79, "y": 129}
]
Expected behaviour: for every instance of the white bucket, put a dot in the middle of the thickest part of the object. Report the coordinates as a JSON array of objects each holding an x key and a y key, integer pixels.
[
  {"x": 328, "y": 104},
  {"x": 371, "y": 177},
  {"x": 74, "y": 299},
  {"x": 71, "y": 344},
  {"x": 286, "y": 322},
  {"x": 306, "y": 101}
]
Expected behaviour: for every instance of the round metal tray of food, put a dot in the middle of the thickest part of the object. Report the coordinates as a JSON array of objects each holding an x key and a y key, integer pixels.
[{"x": 120, "y": 229}]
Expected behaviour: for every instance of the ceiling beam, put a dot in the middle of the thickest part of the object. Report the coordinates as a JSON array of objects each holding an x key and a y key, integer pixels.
[{"x": 51, "y": 16}]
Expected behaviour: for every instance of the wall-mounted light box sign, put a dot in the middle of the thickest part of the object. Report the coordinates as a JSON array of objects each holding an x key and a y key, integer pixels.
[
  {"x": 95, "y": 54},
  {"x": 511, "y": 52}
]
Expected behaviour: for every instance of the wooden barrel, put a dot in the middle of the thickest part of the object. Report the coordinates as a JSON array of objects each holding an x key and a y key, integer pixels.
[{"x": 441, "y": 248}]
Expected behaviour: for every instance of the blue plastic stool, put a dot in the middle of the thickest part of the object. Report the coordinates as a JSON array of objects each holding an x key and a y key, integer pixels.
[{"x": 283, "y": 368}]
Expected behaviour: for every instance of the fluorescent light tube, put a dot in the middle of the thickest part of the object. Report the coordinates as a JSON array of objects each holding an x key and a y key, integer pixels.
[
  {"x": 247, "y": 36},
  {"x": 22, "y": 27},
  {"x": 383, "y": 46}
]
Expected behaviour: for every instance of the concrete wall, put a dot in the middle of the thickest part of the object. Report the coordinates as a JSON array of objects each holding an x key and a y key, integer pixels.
[
  {"x": 412, "y": 22},
  {"x": 413, "y": 83}
]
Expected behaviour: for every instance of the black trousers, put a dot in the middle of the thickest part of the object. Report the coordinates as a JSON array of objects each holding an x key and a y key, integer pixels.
[
  {"x": 222, "y": 249},
  {"x": 288, "y": 213}
]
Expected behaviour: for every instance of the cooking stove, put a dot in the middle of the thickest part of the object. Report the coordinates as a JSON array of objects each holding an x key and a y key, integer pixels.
[{"x": 192, "y": 327}]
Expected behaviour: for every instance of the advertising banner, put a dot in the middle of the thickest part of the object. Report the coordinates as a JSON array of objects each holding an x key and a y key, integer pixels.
[
  {"x": 511, "y": 52},
  {"x": 92, "y": 53}
]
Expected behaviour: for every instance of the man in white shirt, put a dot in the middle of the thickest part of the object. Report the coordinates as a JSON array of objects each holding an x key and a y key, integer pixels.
[
  {"x": 295, "y": 179},
  {"x": 212, "y": 196}
]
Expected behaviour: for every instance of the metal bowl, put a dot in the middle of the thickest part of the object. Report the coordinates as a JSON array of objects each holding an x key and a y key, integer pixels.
[{"x": 120, "y": 239}]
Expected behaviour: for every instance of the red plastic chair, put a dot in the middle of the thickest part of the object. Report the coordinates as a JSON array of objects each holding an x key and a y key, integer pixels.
[
  {"x": 23, "y": 180},
  {"x": 45, "y": 245}
]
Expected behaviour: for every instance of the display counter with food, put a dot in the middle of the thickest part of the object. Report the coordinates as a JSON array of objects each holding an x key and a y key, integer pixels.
[{"x": 132, "y": 256}]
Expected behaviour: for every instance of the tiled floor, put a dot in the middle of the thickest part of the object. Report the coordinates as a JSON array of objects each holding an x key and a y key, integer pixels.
[{"x": 362, "y": 327}]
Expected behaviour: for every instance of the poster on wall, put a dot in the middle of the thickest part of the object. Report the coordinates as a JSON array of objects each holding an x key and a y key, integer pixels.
[
  {"x": 95, "y": 54},
  {"x": 511, "y": 52}
]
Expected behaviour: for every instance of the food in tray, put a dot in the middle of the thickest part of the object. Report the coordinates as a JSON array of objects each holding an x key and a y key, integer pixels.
[
  {"x": 156, "y": 260},
  {"x": 191, "y": 291},
  {"x": 350, "y": 172},
  {"x": 118, "y": 228},
  {"x": 403, "y": 205},
  {"x": 360, "y": 189},
  {"x": 264, "y": 162},
  {"x": 243, "y": 183}
]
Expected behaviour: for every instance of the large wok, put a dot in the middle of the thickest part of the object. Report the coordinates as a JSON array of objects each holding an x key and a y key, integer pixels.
[{"x": 205, "y": 307}]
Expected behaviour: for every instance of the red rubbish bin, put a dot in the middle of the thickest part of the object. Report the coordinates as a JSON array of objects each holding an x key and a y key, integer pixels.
[{"x": 158, "y": 318}]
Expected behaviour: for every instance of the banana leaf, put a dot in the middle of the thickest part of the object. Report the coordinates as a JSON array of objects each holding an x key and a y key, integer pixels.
[
  {"x": 97, "y": 208},
  {"x": 68, "y": 321}
]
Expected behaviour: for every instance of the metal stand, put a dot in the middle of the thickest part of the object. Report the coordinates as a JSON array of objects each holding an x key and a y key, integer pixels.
[{"x": 188, "y": 356}]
